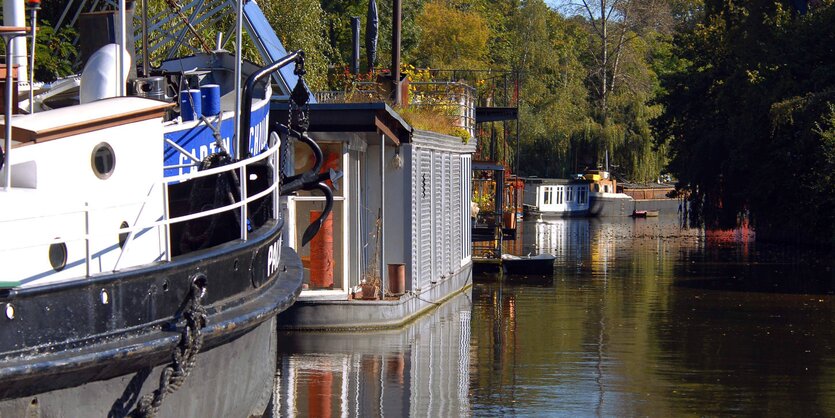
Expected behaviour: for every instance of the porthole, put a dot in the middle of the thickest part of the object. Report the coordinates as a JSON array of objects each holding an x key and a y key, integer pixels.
[
  {"x": 58, "y": 256},
  {"x": 103, "y": 160},
  {"x": 123, "y": 237}
]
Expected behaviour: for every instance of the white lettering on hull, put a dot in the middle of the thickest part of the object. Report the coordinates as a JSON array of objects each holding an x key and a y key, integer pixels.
[{"x": 273, "y": 256}]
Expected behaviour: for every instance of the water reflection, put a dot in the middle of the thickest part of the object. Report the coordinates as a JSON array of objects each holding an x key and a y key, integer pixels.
[
  {"x": 647, "y": 317},
  {"x": 422, "y": 369},
  {"x": 643, "y": 317}
]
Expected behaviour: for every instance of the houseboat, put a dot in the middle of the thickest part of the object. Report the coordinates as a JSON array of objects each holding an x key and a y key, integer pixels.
[
  {"x": 131, "y": 287},
  {"x": 608, "y": 197},
  {"x": 556, "y": 198},
  {"x": 398, "y": 242}
]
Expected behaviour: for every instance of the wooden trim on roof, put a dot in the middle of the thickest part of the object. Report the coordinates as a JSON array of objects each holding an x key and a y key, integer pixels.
[
  {"x": 24, "y": 136},
  {"x": 15, "y": 29},
  {"x": 385, "y": 129}
]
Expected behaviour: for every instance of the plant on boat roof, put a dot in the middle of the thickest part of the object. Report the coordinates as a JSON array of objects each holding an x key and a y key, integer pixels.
[{"x": 435, "y": 119}]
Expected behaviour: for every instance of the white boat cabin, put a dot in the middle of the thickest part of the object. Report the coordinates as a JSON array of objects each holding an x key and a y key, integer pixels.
[{"x": 560, "y": 197}]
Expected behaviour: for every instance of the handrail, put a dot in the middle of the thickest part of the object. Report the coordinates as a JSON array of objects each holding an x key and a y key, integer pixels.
[{"x": 246, "y": 96}]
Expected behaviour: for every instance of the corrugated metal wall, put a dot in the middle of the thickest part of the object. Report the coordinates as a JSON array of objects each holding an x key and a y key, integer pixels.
[
  {"x": 455, "y": 213},
  {"x": 467, "y": 184},
  {"x": 438, "y": 204},
  {"x": 424, "y": 217},
  {"x": 440, "y": 190}
]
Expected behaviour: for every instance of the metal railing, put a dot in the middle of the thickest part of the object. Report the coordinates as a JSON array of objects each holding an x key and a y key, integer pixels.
[
  {"x": 495, "y": 88},
  {"x": 453, "y": 98},
  {"x": 35, "y": 241}
]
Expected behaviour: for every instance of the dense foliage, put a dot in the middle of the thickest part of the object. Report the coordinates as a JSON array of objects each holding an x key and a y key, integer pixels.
[
  {"x": 564, "y": 125},
  {"x": 736, "y": 99},
  {"x": 749, "y": 117}
]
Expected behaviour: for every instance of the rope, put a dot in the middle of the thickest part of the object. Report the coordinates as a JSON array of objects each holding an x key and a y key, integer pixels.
[{"x": 184, "y": 355}]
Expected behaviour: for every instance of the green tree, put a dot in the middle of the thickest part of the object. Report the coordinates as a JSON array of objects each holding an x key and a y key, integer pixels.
[
  {"x": 299, "y": 25},
  {"x": 553, "y": 99},
  {"x": 451, "y": 38},
  {"x": 748, "y": 117},
  {"x": 54, "y": 52}
]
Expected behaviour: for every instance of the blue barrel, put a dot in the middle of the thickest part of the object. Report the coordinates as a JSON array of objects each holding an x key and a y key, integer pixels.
[
  {"x": 210, "y": 96},
  {"x": 190, "y": 104}
]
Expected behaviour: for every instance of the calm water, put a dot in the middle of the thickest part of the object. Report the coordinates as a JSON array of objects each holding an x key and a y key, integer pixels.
[{"x": 641, "y": 318}]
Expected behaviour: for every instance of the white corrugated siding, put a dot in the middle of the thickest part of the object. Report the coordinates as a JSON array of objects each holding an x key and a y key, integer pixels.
[
  {"x": 466, "y": 182},
  {"x": 415, "y": 200},
  {"x": 455, "y": 213},
  {"x": 438, "y": 215},
  {"x": 441, "y": 214},
  {"x": 425, "y": 193}
]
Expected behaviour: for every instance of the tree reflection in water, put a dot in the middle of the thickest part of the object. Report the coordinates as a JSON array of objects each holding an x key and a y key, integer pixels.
[{"x": 643, "y": 317}]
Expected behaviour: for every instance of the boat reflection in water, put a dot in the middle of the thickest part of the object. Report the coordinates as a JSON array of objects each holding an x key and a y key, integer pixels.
[
  {"x": 560, "y": 237},
  {"x": 421, "y": 369}
]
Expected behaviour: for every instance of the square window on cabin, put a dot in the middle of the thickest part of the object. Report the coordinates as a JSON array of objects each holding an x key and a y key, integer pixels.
[
  {"x": 569, "y": 194},
  {"x": 559, "y": 195},
  {"x": 581, "y": 195}
]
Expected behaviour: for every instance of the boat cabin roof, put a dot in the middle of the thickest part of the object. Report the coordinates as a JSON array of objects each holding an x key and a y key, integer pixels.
[
  {"x": 553, "y": 182},
  {"x": 487, "y": 165},
  {"x": 354, "y": 117},
  {"x": 88, "y": 117}
]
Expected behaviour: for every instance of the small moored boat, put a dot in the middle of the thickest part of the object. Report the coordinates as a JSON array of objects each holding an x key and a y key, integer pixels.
[
  {"x": 644, "y": 214},
  {"x": 529, "y": 265}
]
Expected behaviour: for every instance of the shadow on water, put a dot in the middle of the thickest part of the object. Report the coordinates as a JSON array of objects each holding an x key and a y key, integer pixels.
[{"x": 760, "y": 268}]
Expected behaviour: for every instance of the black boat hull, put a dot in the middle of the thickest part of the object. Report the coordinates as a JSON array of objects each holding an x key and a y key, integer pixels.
[
  {"x": 528, "y": 267},
  {"x": 65, "y": 344},
  {"x": 230, "y": 380}
]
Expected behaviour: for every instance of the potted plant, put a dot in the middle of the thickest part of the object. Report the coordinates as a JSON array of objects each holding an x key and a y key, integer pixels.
[{"x": 370, "y": 283}]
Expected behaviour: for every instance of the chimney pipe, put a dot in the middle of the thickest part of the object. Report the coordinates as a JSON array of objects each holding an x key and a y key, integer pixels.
[
  {"x": 355, "y": 45},
  {"x": 395, "y": 50}
]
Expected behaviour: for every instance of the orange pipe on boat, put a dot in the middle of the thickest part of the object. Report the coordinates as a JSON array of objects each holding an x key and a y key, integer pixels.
[{"x": 321, "y": 253}]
